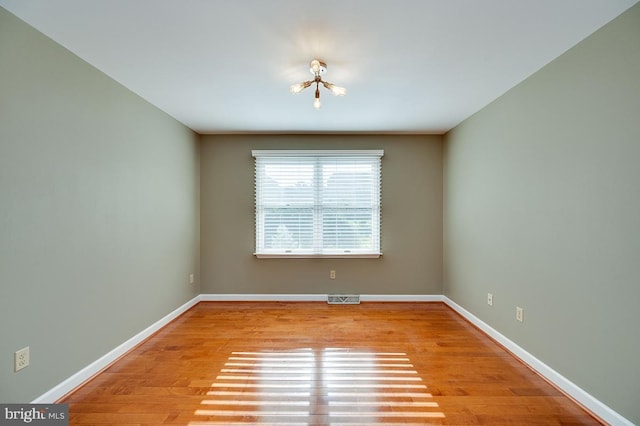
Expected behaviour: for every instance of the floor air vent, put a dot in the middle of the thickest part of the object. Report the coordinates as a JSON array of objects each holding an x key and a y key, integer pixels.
[{"x": 343, "y": 299}]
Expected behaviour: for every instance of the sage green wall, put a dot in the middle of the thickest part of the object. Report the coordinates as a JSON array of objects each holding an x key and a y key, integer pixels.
[
  {"x": 411, "y": 229},
  {"x": 542, "y": 208},
  {"x": 99, "y": 212}
]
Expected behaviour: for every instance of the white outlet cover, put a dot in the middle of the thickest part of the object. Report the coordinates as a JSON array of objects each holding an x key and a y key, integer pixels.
[{"x": 21, "y": 358}]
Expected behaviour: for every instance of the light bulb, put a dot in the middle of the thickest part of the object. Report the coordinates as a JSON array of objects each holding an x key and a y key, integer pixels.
[
  {"x": 314, "y": 67},
  {"x": 299, "y": 87},
  {"x": 296, "y": 88},
  {"x": 338, "y": 91}
]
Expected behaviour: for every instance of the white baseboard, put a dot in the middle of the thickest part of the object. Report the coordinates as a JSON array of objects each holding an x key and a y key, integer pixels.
[
  {"x": 401, "y": 298},
  {"x": 103, "y": 362},
  {"x": 316, "y": 298},
  {"x": 263, "y": 297},
  {"x": 588, "y": 401}
]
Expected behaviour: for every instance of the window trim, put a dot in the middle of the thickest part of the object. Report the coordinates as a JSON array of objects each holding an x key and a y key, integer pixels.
[
  {"x": 322, "y": 153},
  {"x": 317, "y": 256}
]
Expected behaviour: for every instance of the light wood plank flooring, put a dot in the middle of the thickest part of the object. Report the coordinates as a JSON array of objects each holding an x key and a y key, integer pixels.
[{"x": 316, "y": 364}]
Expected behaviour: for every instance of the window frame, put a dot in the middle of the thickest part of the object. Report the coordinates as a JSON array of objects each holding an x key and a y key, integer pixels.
[{"x": 317, "y": 222}]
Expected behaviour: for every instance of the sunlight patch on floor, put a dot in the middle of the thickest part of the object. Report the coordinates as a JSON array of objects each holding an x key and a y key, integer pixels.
[{"x": 303, "y": 386}]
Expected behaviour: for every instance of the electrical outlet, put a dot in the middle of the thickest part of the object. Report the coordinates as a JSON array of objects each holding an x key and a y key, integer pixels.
[
  {"x": 21, "y": 359},
  {"x": 489, "y": 299},
  {"x": 519, "y": 313},
  {"x": 190, "y": 278},
  {"x": 332, "y": 274}
]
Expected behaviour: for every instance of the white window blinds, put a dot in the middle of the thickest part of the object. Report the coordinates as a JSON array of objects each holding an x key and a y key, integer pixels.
[{"x": 317, "y": 203}]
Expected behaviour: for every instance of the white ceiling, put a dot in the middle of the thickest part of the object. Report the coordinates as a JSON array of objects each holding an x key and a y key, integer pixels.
[{"x": 219, "y": 66}]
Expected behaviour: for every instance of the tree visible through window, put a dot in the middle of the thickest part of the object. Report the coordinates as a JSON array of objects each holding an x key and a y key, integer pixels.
[{"x": 317, "y": 203}]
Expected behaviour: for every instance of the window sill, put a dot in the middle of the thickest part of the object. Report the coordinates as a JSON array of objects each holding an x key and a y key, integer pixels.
[{"x": 318, "y": 256}]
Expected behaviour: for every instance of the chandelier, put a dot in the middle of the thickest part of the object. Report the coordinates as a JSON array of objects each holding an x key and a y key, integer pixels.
[{"x": 317, "y": 68}]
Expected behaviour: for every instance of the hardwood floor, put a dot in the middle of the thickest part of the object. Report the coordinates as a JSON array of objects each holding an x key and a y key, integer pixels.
[{"x": 318, "y": 364}]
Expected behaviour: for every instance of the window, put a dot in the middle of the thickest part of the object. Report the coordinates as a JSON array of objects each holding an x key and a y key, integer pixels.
[{"x": 317, "y": 203}]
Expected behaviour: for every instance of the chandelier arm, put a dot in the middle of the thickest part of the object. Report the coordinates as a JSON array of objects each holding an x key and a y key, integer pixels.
[
  {"x": 299, "y": 87},
  {"x": 336, "y": 90}
]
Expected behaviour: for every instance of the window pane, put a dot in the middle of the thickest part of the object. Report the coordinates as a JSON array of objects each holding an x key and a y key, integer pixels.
[
  {"x": 288, "y": 228},
  {"x": 348, "y": 185},
  {"x": 347, "y": 229},
  {"x": 287, "y": 184}
]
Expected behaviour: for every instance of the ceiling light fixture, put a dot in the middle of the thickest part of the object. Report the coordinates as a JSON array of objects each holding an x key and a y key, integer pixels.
[{"x": 317, "y": 68}]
